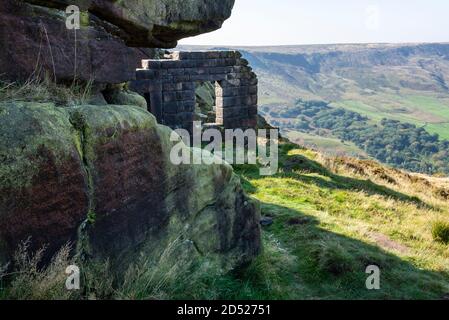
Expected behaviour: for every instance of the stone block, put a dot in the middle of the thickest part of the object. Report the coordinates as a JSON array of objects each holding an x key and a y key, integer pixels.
[
  {"x": 199, "y": 71},
  {"x": 243, "y": 90},
  {"x": 249, "y": 122},
  {"x": 230, "y": 62},
  {"x": 213, "y": 54},
  {"x": 186, "y": 55},
  {"x": 237, "y": 54},
  {"x": 230, "y": 91},
  {"x": 252, "y": 89},
  {"x": 219, "y": 120},
  {"x": 156, "y": 104},
  {"x": 217, "y": 70},
  {"x": 142, "y": 86},
  {"x": 188, "y": 86},
  {"x": 252, "y": 111},
  {"x": 188, "y": 106},
  {"x": 232, "y": 122},
  {"x": 185, "y": 117},
  {"x": 241, "y": 69},
  {"x": 172, "y": 107},
  {"x": 219, "y": 112},
  {"x": 242, "y": 62},
  {"x": 186, "y": 64},
  {"x": 182, "y": 78},
  {"x": 247, "y": 82},
  {"x": 170, "y": 119},
  {"x": 215, "y": 77},
  {"x": 230, "y": 83},
  {"x": 170, "y": 64},
  {"x": 169, "y": 96},
  {"x": 234, "y": 112},
  {"x": 172, "y": 86},
  {"x": 232, "y": 76},
  {"x": 187, "y": 95},
  {"x": 201, "y": 77},
  {"x": 176, "y": 72},
  {"x": 232, "y": 101},
  {"x": 250, "y": 100},
  {"x": 199, "y": 55},
  {"x": 168, "y": 79},
  {"x": 151, "y": 64},
  {"x": 144, "y": 74}
]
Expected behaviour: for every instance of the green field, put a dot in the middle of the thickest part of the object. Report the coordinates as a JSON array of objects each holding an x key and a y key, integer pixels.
[
  {"x": 429, "y": 112},
  {"x": 327, "y": 145}
]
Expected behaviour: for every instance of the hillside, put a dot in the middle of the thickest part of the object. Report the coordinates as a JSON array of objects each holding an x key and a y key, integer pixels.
[
  {"x": 335, "y": 216},
  {"x": 401, "y": 82},
  {"x": 337, "y": 130}
]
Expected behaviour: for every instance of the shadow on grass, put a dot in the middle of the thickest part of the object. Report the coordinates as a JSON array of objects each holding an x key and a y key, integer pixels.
[
  {"x": 333, "y": 266},
  {"x": 302, "y": 169},
  {"x": 329, "y": 265}
]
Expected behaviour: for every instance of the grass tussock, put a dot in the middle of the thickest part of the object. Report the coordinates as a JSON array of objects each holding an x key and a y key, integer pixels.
[
  {"x": 37, "y": 89},
  {"x": 440, "y": 231},
  {"x": 30, "y": 281},
  {"x": 177, "y": 273},
  {"x": 333, "y": 258}
]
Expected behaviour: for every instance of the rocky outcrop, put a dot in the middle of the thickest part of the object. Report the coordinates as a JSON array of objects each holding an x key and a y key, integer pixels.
[
  {"x": 101, "y": 178},
  {"x": 34, "y": 37}
]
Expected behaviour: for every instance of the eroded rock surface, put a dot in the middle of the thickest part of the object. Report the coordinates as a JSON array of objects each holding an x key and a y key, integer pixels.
[
  {"x": 34, "y": 37},
  {"x": 103, "y": 174}
]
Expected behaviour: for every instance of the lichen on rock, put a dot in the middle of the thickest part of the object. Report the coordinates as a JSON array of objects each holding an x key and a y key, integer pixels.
[{"x": 114, "y": 161}]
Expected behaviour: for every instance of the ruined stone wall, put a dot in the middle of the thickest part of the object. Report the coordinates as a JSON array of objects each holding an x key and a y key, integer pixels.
[{"x": 169, "y": 87}]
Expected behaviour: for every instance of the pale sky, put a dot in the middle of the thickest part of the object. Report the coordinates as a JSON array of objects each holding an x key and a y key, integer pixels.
[{"x": 289, "y": 22}]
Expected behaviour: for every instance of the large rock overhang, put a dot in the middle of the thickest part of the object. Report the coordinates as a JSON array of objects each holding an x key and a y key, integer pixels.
[{"x": 107, "y": 48}]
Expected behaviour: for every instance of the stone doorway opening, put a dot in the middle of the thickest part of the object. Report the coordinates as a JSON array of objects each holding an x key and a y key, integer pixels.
[
  {"x": 206, "y": 102},
  {"x": 172, "y": 86}
]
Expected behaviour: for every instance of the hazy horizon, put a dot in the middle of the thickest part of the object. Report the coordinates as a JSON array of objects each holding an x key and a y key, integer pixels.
[
  {"x": 311, "y": 44},
  {"x": 266, "y": 23}
]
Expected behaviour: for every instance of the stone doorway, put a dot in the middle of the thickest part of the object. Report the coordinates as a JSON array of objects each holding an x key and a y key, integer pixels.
[
  {"x": 169, "y": 87},
  {"x": 205, "y": 102}
]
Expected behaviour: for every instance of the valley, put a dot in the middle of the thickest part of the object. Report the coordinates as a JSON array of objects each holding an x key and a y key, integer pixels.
[{"x": 400, "y": 82}]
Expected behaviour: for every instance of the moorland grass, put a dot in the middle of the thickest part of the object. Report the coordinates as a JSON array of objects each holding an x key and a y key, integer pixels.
[{"x": 332, "y": 218}]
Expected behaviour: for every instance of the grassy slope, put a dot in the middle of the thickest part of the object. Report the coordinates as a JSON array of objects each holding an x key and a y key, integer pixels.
[
  {"x": 326, "y": 145},
  {"x": 328, "y": 227}
]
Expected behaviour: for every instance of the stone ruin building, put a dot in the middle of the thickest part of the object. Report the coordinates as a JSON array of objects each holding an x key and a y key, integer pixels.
[{"x": 169, "y": 85}]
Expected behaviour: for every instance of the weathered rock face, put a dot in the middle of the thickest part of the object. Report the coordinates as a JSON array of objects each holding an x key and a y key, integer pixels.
[
  {"x": 101, "y": 177},
  {"x": 43, "y": 191},
  {"x": 34, "y": 37}
]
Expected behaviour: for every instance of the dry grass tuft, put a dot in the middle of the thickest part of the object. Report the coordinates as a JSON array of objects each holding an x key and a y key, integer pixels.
[
  {"x": 37, "y": 89},
  {"x": 440, "y": 231},
  {"x": 30, "y": 281}
]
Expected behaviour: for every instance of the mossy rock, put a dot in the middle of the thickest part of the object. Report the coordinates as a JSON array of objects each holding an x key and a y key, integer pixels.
[
  {"x": 108, "y": 168},
  {"x": 43, "y": 195}
]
